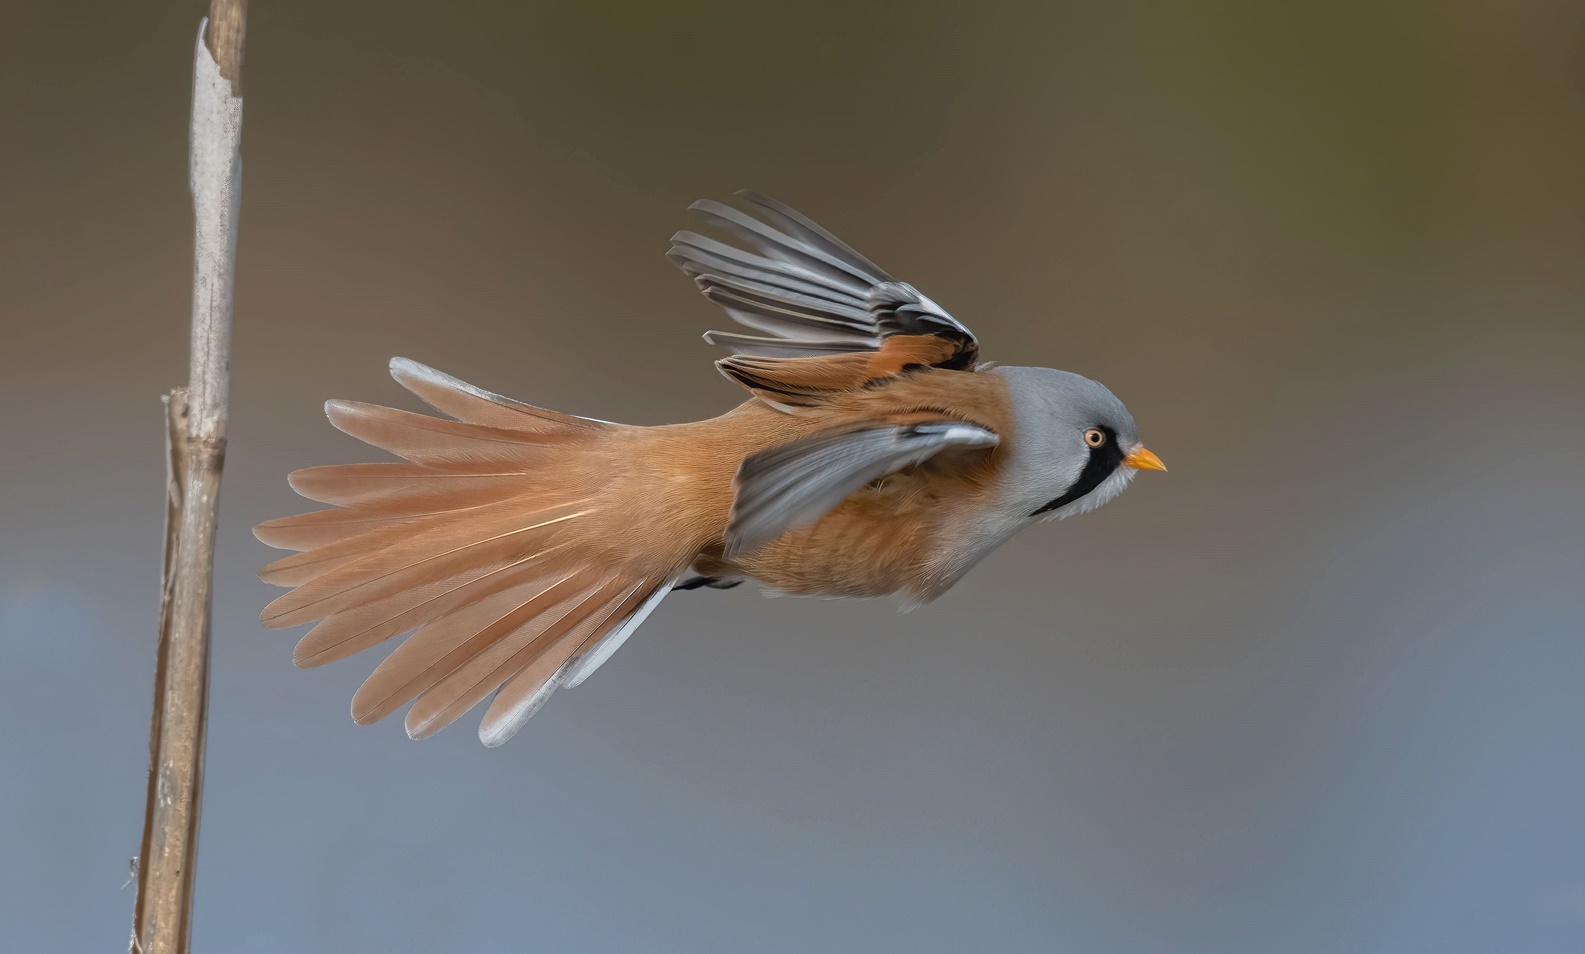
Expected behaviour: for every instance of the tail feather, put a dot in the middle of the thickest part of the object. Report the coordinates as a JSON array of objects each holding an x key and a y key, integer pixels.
[
  {"x": 320, "y": 528},
  {"x": 470, "y": 546},
  {"x": 453, "y": 642},
  {"x": 299, "y": 568},
  {"x": 432, "y": 442},
  {"x": 406, "y": 488},
  {"x": 525, "y": 692},
  {"x": 313, "y": 562},
  {"x": 472, "y": 405},
  {"x": 484, "y": 672},
  {"x": 352, "y": 630},
  {"x": 492, "y": 544},
  {"x": 349, "y": 631},
  {"x": 592, "y": 657}
]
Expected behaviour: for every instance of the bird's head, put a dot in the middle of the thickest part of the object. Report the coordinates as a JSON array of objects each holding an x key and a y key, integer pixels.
[{"x": 1074, "y": 446}]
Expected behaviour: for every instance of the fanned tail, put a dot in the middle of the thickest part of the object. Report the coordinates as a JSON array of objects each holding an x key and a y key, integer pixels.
[{"x": 492, "y": 544}]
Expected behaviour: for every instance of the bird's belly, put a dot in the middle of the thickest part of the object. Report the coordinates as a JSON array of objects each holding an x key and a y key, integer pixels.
[{"x": 858, "y": 552}]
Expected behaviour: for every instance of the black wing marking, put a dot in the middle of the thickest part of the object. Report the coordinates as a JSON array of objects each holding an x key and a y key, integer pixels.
[{"x": 803, "y": 289}]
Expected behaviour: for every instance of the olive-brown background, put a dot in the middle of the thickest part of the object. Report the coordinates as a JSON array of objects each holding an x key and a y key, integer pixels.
[{"x": 1316, "y": 690}]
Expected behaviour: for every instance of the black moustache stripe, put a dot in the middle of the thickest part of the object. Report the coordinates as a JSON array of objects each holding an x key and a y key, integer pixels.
[{"x": 1103, "y": 461}]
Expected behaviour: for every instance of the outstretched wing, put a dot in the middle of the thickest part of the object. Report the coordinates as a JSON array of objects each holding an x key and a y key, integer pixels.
[{"x": 828, "y": 318}]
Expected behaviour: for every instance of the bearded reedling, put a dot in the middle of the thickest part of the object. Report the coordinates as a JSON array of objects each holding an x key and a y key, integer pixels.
[{"x": 875, "y": 457}]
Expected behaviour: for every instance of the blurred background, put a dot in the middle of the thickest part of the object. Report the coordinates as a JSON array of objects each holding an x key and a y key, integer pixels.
[{"x": 1319, "y": 689}]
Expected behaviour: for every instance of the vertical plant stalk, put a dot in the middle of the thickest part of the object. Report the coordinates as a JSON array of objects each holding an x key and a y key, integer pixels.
[{"x": 196, "y": 442}]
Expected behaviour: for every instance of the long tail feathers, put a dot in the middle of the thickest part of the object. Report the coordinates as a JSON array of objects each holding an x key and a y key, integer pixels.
[{"x": 485, "y": 545}]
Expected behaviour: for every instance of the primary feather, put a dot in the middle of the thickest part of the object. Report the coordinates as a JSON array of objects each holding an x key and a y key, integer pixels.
[{"x": 805, "y": 288}]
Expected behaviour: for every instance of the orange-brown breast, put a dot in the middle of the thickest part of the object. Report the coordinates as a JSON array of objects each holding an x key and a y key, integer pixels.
[{"x": 891, "y": 536}]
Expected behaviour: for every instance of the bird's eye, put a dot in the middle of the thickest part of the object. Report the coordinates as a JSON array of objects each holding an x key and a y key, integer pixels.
[{"x": 1095, "y": 437}]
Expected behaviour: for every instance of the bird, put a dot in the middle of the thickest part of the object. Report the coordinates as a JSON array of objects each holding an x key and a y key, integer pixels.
[{"x": 875, "y": 455}]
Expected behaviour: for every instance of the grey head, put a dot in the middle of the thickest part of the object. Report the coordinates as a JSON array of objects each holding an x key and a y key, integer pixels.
[{"x": 1074, "y": 447}]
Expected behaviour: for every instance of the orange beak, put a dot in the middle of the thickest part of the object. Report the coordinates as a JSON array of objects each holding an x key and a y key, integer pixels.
[{"x": 1142, "y": 459}]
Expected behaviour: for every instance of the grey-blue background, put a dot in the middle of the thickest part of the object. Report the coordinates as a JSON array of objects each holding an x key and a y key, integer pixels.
[{"x": 1319, "y": 689}]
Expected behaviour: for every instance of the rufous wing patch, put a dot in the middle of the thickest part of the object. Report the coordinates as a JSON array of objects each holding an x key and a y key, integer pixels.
[{"x": 805, "y": 381}]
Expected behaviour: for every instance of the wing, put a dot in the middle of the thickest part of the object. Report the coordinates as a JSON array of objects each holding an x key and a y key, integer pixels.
[
  {"x": 798, "y": 483},
  {"x": 824, "y": 312},
  {"x": 788, "y": 383}
]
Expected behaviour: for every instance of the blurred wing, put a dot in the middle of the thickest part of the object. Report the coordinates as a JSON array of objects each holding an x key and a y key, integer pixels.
[
  {"x": 800, "y": 482},
  {"x": 807, "y": 293}
]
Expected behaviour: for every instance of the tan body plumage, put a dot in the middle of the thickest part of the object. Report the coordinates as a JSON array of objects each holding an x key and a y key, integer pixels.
[
  {"x": 910, "y": 532},
  {"x": 520, "y": 546}
]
